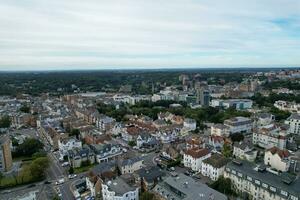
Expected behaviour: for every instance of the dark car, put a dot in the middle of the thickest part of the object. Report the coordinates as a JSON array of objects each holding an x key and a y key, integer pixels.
[{"x": 30, "y": 186}]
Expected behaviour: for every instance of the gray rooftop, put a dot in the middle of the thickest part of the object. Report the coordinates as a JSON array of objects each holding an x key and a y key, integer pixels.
[
  {"x": 119, "y": 186},
  {"x": 247, "y": 169},
  {"x": 184, "y": 187}
]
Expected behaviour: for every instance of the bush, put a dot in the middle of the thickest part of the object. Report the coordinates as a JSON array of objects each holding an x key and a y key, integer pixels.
[
  {"x": 5, "y": 122},
  {"x": 28, "y": 147},
  {"x": 132, "y": 143}
]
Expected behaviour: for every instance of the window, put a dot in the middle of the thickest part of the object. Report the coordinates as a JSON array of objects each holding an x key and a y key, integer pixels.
[
  {"x": 284, "y": 193},
  {"x": 273, "y": 189},
  {"x": 265, "y": 185}
]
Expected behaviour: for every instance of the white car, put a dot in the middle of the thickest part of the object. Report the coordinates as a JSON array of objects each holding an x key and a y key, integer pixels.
[
  {"x": 71, "y": 176},
  {"x": 65, "y": 164},
  {"x": 60, "y": 181}
]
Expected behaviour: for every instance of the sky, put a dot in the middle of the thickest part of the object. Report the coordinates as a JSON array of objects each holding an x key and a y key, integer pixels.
[{"x": 121, "y": 34}]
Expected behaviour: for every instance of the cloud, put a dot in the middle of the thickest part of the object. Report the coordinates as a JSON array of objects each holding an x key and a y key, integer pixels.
[{"x": 76, "y": 34}]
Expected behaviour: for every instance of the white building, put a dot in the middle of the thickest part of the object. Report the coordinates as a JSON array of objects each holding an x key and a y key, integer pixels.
[
  {"x": 270, "y": 136},
  {"x": 118, "y": 189},
  {"x": 287, "y": 106},
  {"x": 190, "y": 124},
  {"x": 277, "y": 159},
  {"x": 294, "y": 122},
  {"x": 244, "y": 151},
  {"x": 259, "y": 184},
  {"x": 220, "y": 130},
  {"x": 263, "y": 119},
  {"x": 238, "y": 104},
  {"x": 193, "y": 158},
  {"x": 130, "y": 165},
  {"x": 64, "y": 145},
  {"x": 239, "y": 125},
  {"x": 214, "y": 166}
]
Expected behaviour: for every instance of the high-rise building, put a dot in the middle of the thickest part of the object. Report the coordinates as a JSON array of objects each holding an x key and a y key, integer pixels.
[
  {"x": 203, "y": 97},
  {"x": 5, "y": 154}
]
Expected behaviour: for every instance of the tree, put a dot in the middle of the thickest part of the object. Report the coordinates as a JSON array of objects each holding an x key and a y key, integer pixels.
[
  {"x": 5, "y": 122},
  {"x": 147, "y": 196},
  {"x": 71, "y": 170},
  {"x": 39, "y": 155},
  {"x": 28, "y": 147},
  {"x": 131, "y": 143},
  {"x": 25, "y": 109},
  {"x": 237, "y": 137},
  {"x": 38, "y": 168},
  {"x": 227, "y": 150},
  {"x": 75, "y": 132},
  {"x": 224, "y": 186}
]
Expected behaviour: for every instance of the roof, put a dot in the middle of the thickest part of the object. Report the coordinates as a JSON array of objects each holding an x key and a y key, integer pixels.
[
  {"x": 281, "y": 153},
  {"x": 130, "y": 161},
  {"x": 216, "y": 160},
  {"x": 295, "y": 116},
  {"x": 243, "y": 145},
  {"x": 150, "y": 174},
  {"x": 197, "y": 152},
  {"x": 247, "y": 169},
  {"x": 184, "y": 187},
  {"x": 119, "y": 186},
  {"x": 220, "y": 126}
]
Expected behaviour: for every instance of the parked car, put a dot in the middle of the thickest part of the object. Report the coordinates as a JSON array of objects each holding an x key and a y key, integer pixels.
[
  {"x": 71, "y": 176},
  {"x": 60, "y": 181},
  {"x": 65, "y": 164}
]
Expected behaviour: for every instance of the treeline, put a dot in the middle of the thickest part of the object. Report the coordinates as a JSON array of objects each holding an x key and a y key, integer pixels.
[
  {"x": 151, "y": 109},
  {"x": 142, "y": 81}
]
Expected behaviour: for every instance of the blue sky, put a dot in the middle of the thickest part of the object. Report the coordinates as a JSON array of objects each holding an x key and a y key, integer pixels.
[{"x": 101, "y": 34}]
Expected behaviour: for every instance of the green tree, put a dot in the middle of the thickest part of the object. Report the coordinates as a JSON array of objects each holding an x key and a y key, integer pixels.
[
  {"x": 227, "y": 150},
  {"x": 224, "y": 186},
  {"x": 132, "y": 143},
  {"x": 25, "y": 109},
  {"x": 28, "y": 147},
  {"x": 75, "y": 132},
  {"x": 5, "y": 122},
  {"x": 71, "y": 170},
  {"x": 147, "y": 196},
  {"x": 38, "y": 168},
  {"x": 237, "y": 137}
]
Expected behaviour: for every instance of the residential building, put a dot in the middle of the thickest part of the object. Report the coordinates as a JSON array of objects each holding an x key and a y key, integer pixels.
[
  {"x": 130, "y": 165},
  {"x": 257, "y": 183},
  {"x": 277, "y": 159},
  {"x": 184, "y": 187},
  {"x": 244, "y": 151},
  {"x": 239, "y": 125},
  {"x": 214, "y": 166},
  {"x": 77, "y": 156},
  {"x": 5, "y": 154},
  {"x": 106, "y": 152},
  {"x": 190, "y": 124},
  {"x": 220, "y": 130},
  {"x": 100, "y": 173},
  {"x": 193, "y": 158},
  {"x": 66, "y": 144},
  {"x": 150, "y": 177},
  {"x": 238, "y": 104},
  {"x": 287, "y": 106},
  {"x": 294, "y": 122},
  {"x": 270, "y": 136},
  {"x": 118, "y": 189},
  {"x": 263, "y": 119}
]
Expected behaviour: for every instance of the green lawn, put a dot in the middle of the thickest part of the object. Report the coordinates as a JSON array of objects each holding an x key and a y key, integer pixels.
[{"x": 83, "y": 169}]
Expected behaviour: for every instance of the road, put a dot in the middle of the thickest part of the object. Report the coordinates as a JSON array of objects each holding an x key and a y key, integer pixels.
[{"x": 56, "y": 171}]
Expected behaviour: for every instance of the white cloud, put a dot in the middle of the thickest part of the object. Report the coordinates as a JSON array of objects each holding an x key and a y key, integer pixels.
[{"x": 43, "y": 34}]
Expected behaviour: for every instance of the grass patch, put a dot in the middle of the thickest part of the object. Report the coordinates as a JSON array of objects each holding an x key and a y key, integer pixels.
[{"x": 83, "y": 168}]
